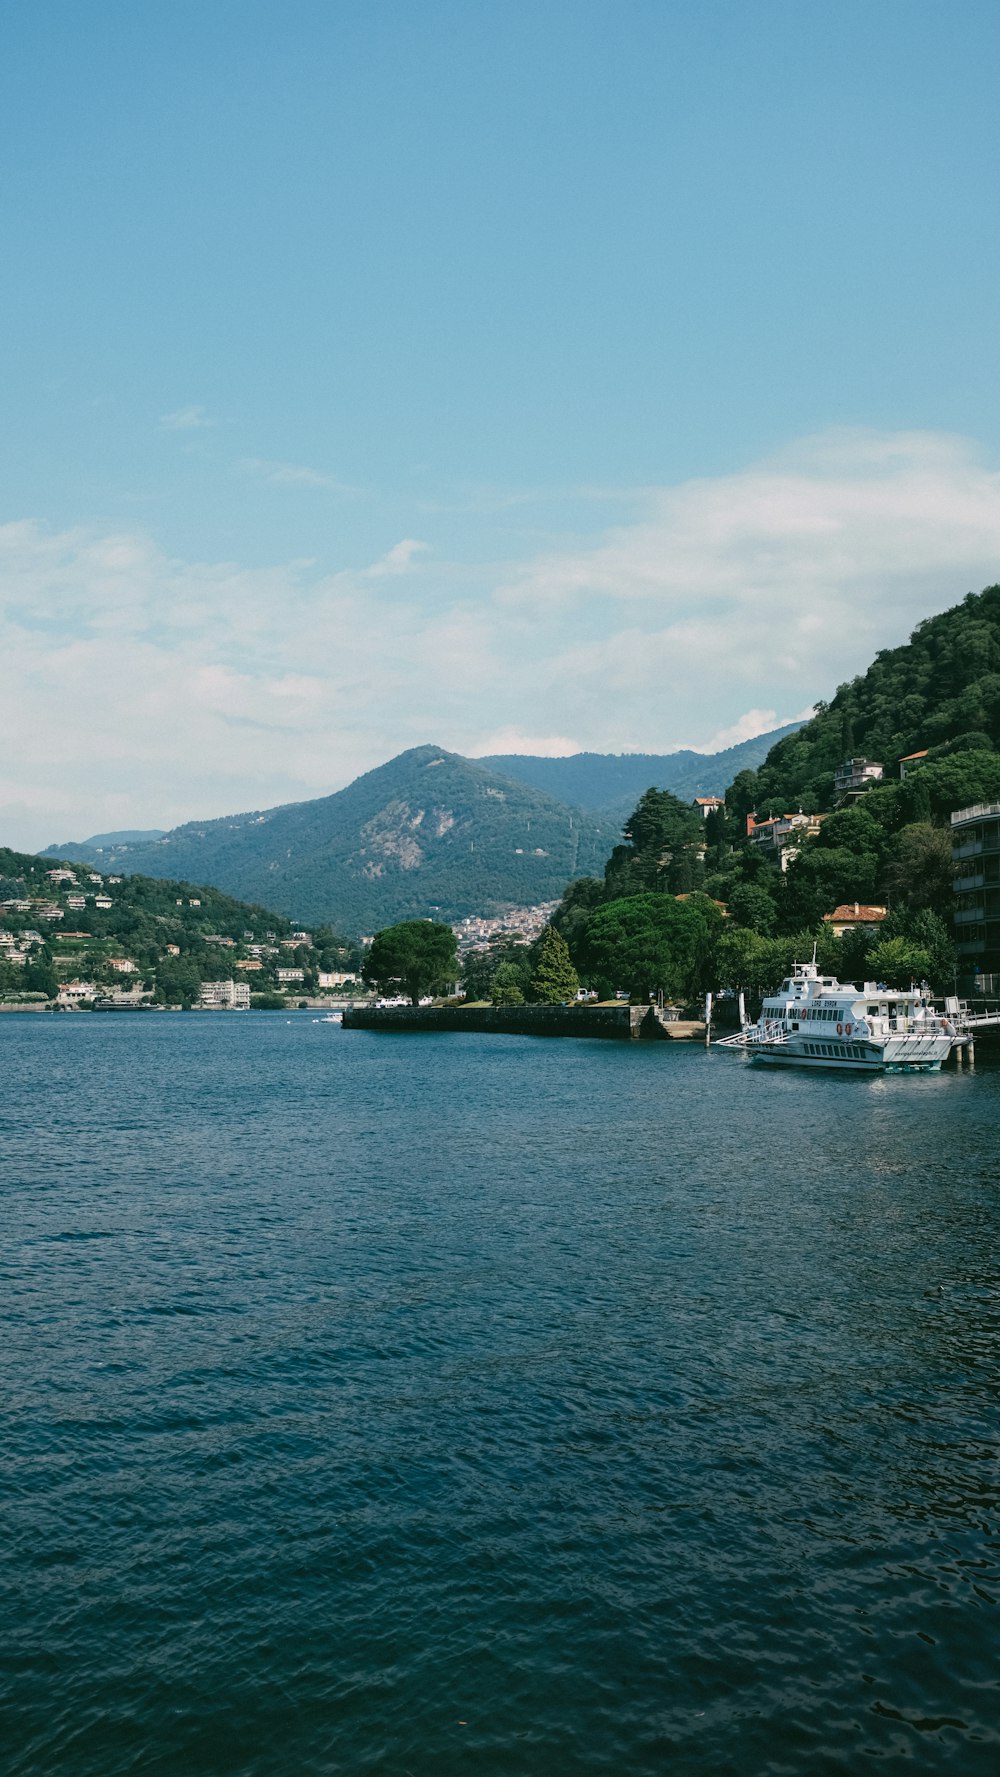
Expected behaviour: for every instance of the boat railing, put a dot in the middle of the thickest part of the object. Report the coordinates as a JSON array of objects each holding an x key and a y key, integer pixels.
[{"x": 756, "y": 1036}]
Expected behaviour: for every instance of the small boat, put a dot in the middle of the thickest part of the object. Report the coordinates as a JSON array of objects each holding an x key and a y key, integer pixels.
[{"x": 814, "y": 1020}]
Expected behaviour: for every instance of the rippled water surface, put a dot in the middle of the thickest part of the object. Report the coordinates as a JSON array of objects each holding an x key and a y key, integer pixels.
[{"x": 434, "y": 1405}]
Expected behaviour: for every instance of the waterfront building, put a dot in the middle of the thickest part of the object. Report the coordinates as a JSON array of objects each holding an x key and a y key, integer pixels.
[
  {"x": 219, "y": 996},
  {"x": 975, "y": 847},
  {"x": 290, "y": 974}
]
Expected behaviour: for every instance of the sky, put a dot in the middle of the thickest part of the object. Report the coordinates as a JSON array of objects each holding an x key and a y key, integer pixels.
[{"x": 534, "y": 375}]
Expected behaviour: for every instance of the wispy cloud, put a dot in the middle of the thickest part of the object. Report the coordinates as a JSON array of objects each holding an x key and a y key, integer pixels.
[
  {"x": 397, "y": 560},
  {"x": 297, "y": 475},
  {"x": 186, "y": 419},
  {"x": 514, "y": 740},
  {"x": 727, "y": 605}
]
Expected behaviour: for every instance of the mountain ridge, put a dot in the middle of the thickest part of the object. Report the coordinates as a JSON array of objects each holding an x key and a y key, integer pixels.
[
  {"x": 427, "y": 834},
  {"x": 611, "y": 783}
]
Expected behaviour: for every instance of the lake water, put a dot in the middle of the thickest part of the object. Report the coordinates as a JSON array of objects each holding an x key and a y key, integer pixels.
[{"x": 443, "y": 1405}]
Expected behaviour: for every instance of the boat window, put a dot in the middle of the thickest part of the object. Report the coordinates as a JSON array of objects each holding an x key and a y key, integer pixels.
[{"x": 873, "y": 1011}]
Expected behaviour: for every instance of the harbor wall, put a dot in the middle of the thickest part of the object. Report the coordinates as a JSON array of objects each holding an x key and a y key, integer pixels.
[{"x": 618, "y": 1023}]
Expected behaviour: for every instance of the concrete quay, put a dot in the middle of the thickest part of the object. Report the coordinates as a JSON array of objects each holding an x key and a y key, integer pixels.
[{"x": 616, "y": 1023}]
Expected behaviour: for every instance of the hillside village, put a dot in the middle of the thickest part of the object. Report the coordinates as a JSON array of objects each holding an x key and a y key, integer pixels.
[{"x": 76, "y": 937}]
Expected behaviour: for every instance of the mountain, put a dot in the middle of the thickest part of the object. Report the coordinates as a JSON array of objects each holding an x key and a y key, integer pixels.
[
  {"x": 427, "y": 834},
  {"x": 938, "y": 693},
  {"x": 611, "y": 783},
  {"x": 83, "y": 849}
]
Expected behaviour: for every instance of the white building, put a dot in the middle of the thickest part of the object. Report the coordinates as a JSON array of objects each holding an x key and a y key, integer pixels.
[
  {"x": 852, "y": 778},
  {"x": 218, "y": 996},
  {"x": 290, "y": 974}
]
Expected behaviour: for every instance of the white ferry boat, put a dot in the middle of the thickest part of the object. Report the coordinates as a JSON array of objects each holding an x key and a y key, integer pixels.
[{"x": 815, "y": 1020}]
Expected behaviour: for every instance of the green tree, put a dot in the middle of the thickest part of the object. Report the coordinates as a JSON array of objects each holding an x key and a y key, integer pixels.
[
  {"x": 750, "y": 905},
  {"x": 580, "y": 899},
  {"x": 744, "y": 959},
  {"x": 178, "y": 979},
  {"x": 652, "y": 943},
  {"x": 555, "y": 978},
  {"x": 741, "y": 799},
  {"x": 506, "y": 988},
  {"x": 929, "y": 932},
  {"x": 418, "y": 955},
  {"x": 40, "y": 977},
  {"x": 918, "y": 870},
  {"x": 479, "y": 968},
  {"x": 898, "y": 962},
  {"x": 656, "y": 856}
]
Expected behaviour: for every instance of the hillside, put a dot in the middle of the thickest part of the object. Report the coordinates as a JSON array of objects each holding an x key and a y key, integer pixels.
[
  {"x": 939, "y": 691},
  {"x": 143, "y": 936},
  {"x": 428, "y": 833},
  {"x": 611, "y": 783}
]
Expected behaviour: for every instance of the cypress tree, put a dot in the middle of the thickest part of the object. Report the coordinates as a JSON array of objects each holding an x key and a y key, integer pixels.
[{"x": 555, "y": 978}]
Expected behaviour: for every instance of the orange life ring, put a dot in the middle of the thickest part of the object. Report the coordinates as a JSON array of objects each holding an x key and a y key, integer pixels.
[
  {"x": 840, "y": 1030},
  {"x": 848, "y": 1028}
]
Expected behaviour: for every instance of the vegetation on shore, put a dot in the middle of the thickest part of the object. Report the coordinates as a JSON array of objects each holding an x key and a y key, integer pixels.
[
  {"x": 938, "y": 696},
  {"x": 177, "y": 934}
]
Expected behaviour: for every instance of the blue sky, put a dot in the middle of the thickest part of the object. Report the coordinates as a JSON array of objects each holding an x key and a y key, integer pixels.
[{"x": 612, "y": 375}]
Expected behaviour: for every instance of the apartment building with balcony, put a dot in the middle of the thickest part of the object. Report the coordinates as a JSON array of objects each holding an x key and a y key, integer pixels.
[
  {"x": 854, "y": 776},
  {"x": 224, "y": 996},
  {"x": 975, "y": 849}
]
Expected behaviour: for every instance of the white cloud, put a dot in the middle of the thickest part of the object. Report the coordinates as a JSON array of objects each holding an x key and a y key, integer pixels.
[
  {"x": 142, "y": 690},
  {"x": 397, "y": 560},
  {"x": 296, "y": 475},
  {"x": 514, "y": 740},
  {"x": 186, "y": 419},
  {"x": 746, "y": 727}
]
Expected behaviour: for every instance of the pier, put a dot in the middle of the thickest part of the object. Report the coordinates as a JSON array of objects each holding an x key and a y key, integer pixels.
[{"x": 621, "y": 1023}]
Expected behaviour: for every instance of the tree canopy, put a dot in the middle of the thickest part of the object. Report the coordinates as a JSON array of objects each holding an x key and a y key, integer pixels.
[
  {"x": 653, "y": 943},
  {"x": 417, "y": 956}
]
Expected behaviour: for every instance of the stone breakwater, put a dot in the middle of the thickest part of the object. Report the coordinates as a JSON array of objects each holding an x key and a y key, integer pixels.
[{"x": 620, "y": 1023}]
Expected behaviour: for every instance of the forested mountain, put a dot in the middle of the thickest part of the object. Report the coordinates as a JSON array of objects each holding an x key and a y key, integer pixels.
[
  {"x": 937, "y": 696},
  {"x": 939, "y": 691},
  {"x": 611, "y": 783},
  {"x": 428, "y": 834}
]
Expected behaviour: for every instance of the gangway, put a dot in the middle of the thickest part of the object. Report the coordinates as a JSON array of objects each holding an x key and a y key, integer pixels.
[{"x": 968, "y": 1020}]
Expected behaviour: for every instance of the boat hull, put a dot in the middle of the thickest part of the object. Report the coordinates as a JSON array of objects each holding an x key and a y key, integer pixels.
[{"x": 923, "y": 1055}]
